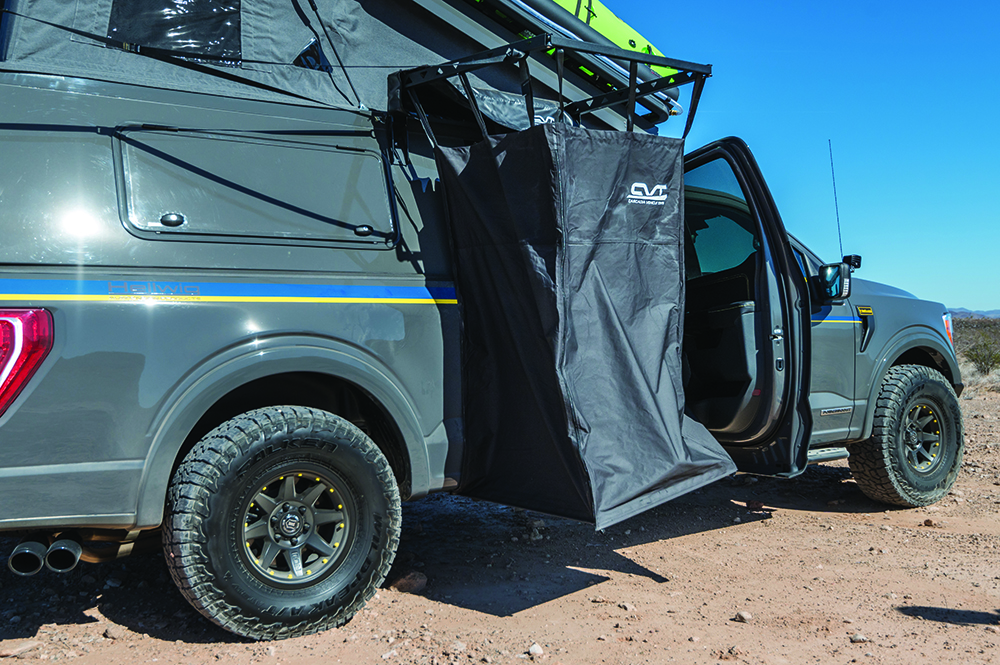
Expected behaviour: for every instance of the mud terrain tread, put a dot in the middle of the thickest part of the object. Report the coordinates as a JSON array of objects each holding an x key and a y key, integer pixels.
[
  {"x": 198, "y": 476},
  {"x": 871, "y": 461}
]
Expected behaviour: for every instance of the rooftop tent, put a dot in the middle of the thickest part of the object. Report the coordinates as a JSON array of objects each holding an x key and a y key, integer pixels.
[{"x": 339, "y": 55}]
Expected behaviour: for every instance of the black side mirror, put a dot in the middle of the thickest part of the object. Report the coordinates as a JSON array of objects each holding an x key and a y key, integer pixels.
[{"x": 834, "y": 281}]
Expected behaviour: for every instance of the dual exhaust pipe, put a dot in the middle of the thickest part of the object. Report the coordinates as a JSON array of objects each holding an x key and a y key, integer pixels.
[{"x": 33, "y": 552}]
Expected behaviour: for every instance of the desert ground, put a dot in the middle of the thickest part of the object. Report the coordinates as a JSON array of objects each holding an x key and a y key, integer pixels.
[{"x": 747, "y": 570}]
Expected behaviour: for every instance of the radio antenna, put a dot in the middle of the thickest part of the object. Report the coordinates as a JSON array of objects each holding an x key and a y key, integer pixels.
[{"x": 836, "y": 207}]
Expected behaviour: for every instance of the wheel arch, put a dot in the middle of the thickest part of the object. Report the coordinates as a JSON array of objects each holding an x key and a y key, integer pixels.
[
  {"x": 325, "y": 373},
  {"x": 911, "y": 347}
]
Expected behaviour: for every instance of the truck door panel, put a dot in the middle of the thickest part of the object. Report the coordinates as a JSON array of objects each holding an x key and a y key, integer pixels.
[{"x": 750, "y": 390}]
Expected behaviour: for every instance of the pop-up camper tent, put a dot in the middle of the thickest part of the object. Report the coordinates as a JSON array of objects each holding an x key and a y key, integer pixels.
[{"x": 335, "y": 53}]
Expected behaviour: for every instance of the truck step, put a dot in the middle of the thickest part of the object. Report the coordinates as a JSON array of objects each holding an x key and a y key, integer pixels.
[{"x": 818, "y": 455}]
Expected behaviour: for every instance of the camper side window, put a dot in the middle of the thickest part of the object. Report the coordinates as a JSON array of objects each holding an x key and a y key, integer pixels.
[{"x": 209, "y": 28}]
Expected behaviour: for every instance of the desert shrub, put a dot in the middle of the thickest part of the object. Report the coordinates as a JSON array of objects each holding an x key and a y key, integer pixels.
[
  {"x": 984, "y": 354},
  {"x": 969, "y": 331}
]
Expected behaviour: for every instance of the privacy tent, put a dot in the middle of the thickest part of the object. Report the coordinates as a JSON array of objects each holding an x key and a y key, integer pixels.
[{"x": 569, "y": 266}]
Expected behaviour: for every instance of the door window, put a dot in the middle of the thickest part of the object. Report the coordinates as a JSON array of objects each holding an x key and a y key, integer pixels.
[{"x": 721, "y": 230}]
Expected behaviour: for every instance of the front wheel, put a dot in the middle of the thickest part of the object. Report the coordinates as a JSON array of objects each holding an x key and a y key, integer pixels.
[
  {"x": 282, "y": 522},
  {"x": 915, "y": 450}
]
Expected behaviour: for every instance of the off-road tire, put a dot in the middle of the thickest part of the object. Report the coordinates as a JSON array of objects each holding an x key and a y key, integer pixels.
[
  {"x": 214, "y": 490},
  {"x": 884, "y": 465}
]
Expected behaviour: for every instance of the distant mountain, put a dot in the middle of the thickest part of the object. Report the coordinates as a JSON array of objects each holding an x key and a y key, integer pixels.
[{"x": 962, "y": 313}]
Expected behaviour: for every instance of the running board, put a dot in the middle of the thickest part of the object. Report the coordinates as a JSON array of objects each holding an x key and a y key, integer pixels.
[{"x": 818, "y": 455}]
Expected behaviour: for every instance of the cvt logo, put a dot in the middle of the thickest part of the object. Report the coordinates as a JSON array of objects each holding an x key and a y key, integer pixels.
[{"x": 643, "y": 195}]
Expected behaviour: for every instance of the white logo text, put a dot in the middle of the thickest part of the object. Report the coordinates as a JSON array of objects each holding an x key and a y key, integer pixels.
[{"x": 643, "y": 195}]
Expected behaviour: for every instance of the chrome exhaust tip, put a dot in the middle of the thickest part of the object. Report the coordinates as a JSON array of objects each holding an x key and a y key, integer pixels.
[
  {"x": 63, "y": 555},
  {"x": 28, "y": 557}
]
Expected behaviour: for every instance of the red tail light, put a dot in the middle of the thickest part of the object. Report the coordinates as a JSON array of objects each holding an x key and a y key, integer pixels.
[{"x": 25, "y": 340}]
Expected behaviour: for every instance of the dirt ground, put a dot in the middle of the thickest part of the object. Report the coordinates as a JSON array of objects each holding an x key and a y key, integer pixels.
[{"x": 825, "y": 575}]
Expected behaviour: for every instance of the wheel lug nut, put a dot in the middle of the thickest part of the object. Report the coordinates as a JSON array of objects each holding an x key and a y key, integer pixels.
[
  {"x": 302, "y": 510},
  {"x": 287, "y": 507},
  {"x": 307, "y": 526}
]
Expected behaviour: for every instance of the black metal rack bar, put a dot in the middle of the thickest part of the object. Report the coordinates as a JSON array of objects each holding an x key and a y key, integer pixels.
[{"x": 517, "y": 53}]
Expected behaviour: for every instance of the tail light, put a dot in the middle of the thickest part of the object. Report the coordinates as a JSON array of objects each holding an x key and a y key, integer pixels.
[{"x": 25, "y": 340}]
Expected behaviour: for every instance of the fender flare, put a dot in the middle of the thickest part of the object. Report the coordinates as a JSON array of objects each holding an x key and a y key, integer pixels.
[
  {"x": 914, "y": 337},
  {"x": 217, "y": 376}
]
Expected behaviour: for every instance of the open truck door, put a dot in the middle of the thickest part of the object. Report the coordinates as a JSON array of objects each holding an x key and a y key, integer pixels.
[{"x": 747, "y": 336}]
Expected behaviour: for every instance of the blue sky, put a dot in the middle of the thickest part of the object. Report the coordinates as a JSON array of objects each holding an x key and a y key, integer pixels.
[{"x": 908, "y": 92}]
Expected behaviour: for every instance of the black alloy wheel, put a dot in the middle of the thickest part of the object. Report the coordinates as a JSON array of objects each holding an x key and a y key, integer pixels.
[
  {"x": 281, "y": 522},
  {"x": 915, "y": 451}
]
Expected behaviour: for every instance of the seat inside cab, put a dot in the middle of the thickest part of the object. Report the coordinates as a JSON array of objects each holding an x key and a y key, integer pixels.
[{"x": 723, "y": 384}]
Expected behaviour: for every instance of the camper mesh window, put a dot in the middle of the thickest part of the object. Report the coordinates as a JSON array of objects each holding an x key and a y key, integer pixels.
[{"x": 207, "y": 28}]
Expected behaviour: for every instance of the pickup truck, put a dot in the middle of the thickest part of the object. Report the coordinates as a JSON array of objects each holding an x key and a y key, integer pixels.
[{"x": 230, "y": 317}]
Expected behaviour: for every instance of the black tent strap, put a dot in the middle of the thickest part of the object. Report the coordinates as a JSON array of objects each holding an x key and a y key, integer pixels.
[
  {"x": 333, "y": 47},
  {"x": 529, "y": 95},
  {"x": 475, "y": 107}
]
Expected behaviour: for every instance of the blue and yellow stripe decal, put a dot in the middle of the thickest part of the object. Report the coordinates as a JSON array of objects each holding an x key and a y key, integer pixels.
[
  {"x": 823, "y": 316},
  {"x": 131, "y": 290}
]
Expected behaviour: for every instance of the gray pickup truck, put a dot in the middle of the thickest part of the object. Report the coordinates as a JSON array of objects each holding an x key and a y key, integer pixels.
[{"x": 229, "y": 315}]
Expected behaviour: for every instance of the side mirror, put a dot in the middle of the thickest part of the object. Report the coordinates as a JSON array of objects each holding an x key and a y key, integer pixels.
[{"x": 834, "y": 281}]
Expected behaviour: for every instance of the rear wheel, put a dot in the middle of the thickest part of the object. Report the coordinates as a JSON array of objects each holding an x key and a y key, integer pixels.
[
  {"x": 282, "y": 522},
  {"x": 915, "y": 450}
]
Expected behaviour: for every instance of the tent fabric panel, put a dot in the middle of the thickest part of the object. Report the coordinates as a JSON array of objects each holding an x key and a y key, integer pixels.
[
  {"x": 569, "y": 267},
  {"x": 371, "y": 38},
  {"x": 621, "y": 318},
  {"x": 516, "y": 446}
]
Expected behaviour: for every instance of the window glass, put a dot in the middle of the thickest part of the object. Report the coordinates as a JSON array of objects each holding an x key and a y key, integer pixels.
[
  {"x": 190, "y": 27},
  {"x": 312, "y": 57},
  {"x": 256, "y": 187},
  {"x": 721, "y": 232},
  {"x": 4, "y": 26},
  {"x": 801, "y": 261},
  {"x": 716, "y": 175}
]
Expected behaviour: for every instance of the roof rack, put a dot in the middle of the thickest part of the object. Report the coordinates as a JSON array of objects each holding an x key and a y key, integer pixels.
[{"x": 404, "y": 85}]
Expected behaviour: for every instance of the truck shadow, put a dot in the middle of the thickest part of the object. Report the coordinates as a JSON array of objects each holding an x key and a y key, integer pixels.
[
  {"x": 501, "y": 561},
  {"x": 117, "y": 600},
  {"x": 476, "y": 555},
  {"x": 952, "y": 616}
]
